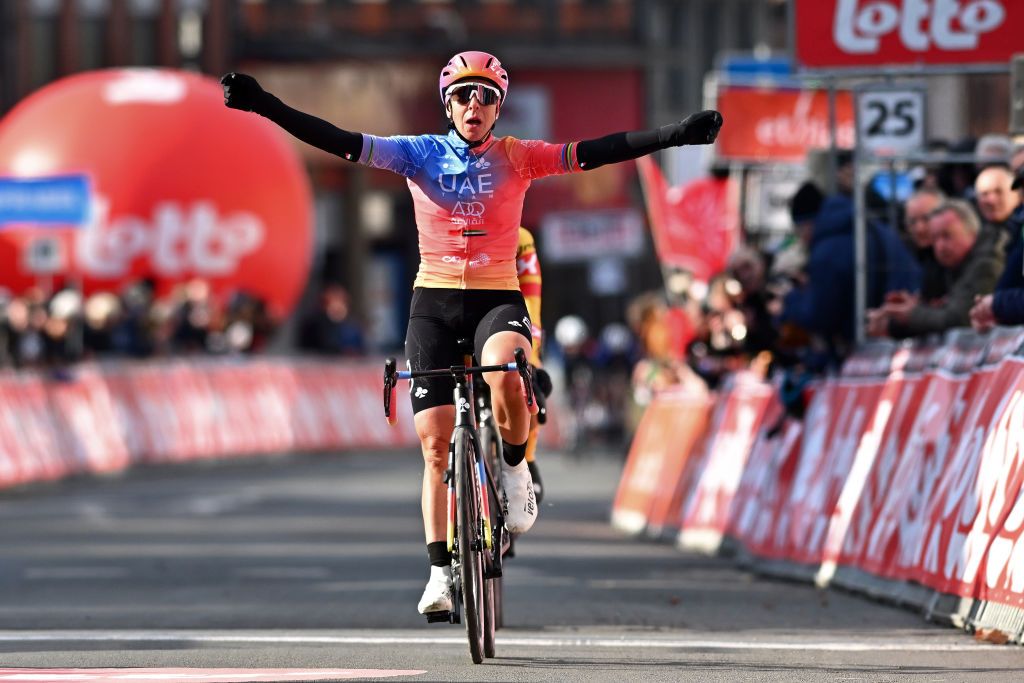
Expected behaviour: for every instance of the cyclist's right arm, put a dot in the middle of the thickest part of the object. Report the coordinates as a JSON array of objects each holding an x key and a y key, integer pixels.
[{"x": 243, "y": 92}]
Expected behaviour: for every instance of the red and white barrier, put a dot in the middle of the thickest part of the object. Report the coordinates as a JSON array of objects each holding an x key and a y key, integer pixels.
[
  {"x": 106, "y": 417},
  {"x": 907, "y": 468}
]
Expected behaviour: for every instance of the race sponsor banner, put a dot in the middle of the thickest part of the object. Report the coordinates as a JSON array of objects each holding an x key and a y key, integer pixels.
[
  {"x": 214, "y": 194},
  {"x": 708, "y": 507},
  {"x": 108, "y": 416},
  {"x": 914, "y": 454},
  {"x": 929, "y": 540},
  {"x": 834, "y": 34},
  {"x": 760, "y": 520},
  {"x": 781, "y": 125},
  {"x": 836, "y": 418},
  {"x": 981, "y": 479},
  {"x": 695, "y": 226},
  {"x": 669, "y": 431},
  {"x": 865, "y": 482}
]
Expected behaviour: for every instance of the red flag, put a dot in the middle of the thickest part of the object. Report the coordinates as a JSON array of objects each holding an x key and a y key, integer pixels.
[{"x": 696, "y": 225}]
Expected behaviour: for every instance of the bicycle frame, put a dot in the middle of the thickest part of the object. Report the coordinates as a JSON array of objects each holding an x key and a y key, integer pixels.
[
  {"x": 476, "y": 557},
  {"x": 465, "y": 419}
]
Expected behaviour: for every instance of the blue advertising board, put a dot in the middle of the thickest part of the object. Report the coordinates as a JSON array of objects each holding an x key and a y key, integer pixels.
[{"x": 56, "y": 200}]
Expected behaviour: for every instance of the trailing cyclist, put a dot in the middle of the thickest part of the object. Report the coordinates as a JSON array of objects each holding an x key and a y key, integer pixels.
[
  {"x": 468, "y": 188},
  {"x": 528, "y": 269}
]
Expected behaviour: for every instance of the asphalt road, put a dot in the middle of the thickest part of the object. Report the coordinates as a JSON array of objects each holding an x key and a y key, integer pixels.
[{"x": 309, "y": 568}]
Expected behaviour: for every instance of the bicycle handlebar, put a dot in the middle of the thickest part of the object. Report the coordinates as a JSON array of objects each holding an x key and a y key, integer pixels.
[{"x": 392, "y": 375}]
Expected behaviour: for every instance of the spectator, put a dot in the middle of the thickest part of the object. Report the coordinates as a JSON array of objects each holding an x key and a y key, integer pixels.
[
  {"x": 992, "y": 148},
  {"x": 791, "y": 259},
  {"x": 972, "y": 256},
  {"x": 825, "y": 304},
  {"x": 998, "y": 202},
  {"x": 956, "y": 178},
  {"x": 1005, "y": 306},
  {"x": 331, "y": 329},
  {"x": 658, "y": 367},
  {"x": 102, "y": 315},
  {"x": 134, "y": 332},
  {"x": 916, "y": 212},
  {"x": 194, "y": 317},
  {"x": 747, "y": 267}
]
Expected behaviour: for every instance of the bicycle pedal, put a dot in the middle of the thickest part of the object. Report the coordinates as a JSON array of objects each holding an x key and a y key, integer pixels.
[{"x": 435, "y": 617}]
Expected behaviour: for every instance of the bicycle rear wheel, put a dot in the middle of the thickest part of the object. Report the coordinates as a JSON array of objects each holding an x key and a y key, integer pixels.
[{"x": 471, "y": 573}]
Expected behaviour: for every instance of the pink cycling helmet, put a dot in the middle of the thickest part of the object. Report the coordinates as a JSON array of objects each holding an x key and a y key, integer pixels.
[{"x": 474, "y": 64}]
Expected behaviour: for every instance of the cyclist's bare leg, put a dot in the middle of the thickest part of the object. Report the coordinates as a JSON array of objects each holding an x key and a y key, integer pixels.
[
  {"x": 510, "y": 410},
  {"x": 434, "y": 428},
  {"x": 513, "y": 418}
]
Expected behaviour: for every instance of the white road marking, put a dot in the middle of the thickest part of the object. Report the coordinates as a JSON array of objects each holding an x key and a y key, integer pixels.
[
  {"x": 72, "y": 573},
  {"x": 198, "y": 675},
  {"x": 283, "y": 572},
  {"x": 954, "y": 642}
]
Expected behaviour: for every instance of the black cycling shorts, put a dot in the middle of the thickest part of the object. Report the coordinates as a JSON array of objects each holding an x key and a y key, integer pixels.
[{"x": 439, "y": 318}]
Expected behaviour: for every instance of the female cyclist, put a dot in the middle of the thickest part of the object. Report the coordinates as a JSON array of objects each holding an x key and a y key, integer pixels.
[{"x": 468, "y": 188}]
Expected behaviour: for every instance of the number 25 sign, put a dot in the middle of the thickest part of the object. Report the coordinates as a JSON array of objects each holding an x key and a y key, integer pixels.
[{"x": 890, "y": 122}]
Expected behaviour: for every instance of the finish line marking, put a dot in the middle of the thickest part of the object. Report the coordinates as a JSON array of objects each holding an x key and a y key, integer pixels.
[
  {"x": 195, "y": 675},
  {"x": 185, "y": 637}
]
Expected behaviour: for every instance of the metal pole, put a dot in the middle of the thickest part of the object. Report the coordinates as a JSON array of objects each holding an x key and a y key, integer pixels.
[
  {"x": 833, "y": 164},
  {"x": 859, "y": 252}
]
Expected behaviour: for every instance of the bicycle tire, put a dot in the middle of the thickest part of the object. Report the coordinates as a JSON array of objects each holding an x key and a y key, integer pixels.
[
  {"x": 470, "y": 558},
  {"x": 492, "y": 586}
]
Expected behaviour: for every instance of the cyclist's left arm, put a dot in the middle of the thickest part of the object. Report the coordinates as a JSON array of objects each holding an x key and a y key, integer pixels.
[
  {"x": 534, "y": 159},
  {"x": 697, "y": 129}
]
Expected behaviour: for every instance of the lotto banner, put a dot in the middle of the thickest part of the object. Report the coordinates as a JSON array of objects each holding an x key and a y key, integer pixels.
[
  {"x": 708, "y": 507},
  {"x": 862, "y": 33},
  {"x": 671, "y": 427}
]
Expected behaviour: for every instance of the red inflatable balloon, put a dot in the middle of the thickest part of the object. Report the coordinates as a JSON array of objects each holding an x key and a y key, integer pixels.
[{"x": 180, "y": 187}]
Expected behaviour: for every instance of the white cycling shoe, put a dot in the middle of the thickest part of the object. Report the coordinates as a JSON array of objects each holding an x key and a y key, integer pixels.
[
  {"x": 520, "y": 500},
  {"x": 437, "y": 596}
]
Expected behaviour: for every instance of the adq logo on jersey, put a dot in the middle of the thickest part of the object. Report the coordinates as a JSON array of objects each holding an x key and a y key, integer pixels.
[
  {"x": 921, "y": 24},
  {"x": 469, "y": 209}
]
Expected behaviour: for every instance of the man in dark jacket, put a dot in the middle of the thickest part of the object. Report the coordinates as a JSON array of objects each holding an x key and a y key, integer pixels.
[
  {"x": 973, "y": 258},
  {"x": 825, "y": 305}
]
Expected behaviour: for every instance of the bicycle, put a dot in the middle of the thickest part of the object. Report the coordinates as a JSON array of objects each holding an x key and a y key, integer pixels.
[{"x": 476, "y": 534}]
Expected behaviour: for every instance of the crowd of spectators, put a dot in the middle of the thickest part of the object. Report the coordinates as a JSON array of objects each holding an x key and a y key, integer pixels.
[
  {"x": 52, "y": 331},
  {"x": 40, "y": 331},
  {"x": 954, "y": 257}
]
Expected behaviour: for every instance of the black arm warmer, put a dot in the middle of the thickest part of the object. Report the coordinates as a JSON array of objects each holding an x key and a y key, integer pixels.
[
  {"x": 312, "y": 130},
  {"x": 623, "y": 146}
]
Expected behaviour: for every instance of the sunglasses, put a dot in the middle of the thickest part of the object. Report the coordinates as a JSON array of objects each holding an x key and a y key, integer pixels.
[{"x": 464, "y": 92}]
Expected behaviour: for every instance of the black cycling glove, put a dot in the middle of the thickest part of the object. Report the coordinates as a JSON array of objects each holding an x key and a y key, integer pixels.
[
  {"x": 696, "y": 129},
  {"x": 243, "y": 92}
]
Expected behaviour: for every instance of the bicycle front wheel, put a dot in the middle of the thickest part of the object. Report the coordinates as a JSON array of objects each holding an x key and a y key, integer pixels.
[
  {"x": 491, "y": 446},
  {"x": 471, "y": 573}
]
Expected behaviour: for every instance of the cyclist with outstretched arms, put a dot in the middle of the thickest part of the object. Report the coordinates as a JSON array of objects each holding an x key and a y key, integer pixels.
[{"x": 468, "y": 188}]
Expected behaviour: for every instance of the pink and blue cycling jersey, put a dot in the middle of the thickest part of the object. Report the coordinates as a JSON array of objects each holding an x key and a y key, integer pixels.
[{"x": 456, "y": 190}]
